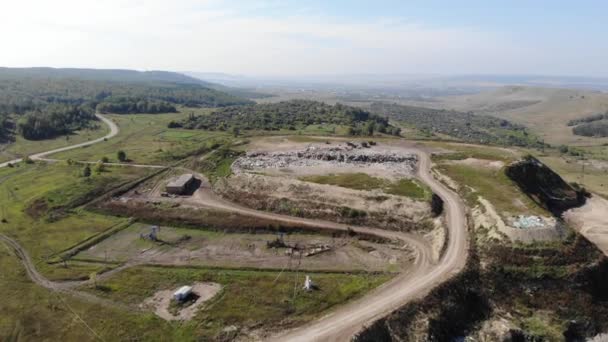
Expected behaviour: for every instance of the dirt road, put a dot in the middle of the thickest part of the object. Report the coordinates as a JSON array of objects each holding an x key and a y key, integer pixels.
[
  {"x": 60, "y": 287},
  {"x": 591, "y": 220},
  {"x": 349, "y": 319},
  {"x": 41, "y": 156}
]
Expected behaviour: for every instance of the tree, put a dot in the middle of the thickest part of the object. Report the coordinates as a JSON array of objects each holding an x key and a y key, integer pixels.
[
  {"x": 86, "y": 172},
  {"x": 369, "y": 128},
  {"x": 236, "y": 131},
  {"x": 105, "y": 159},
  {"x": 122, "y": 156},
  {"x": 99, "y": 167}
]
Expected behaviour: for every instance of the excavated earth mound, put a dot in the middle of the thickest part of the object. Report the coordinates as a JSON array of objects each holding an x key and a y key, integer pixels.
[{"x": 544, "y": 186}]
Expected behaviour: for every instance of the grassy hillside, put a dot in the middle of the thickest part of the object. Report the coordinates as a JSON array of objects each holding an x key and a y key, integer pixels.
[{"x": 546, "y": 111}]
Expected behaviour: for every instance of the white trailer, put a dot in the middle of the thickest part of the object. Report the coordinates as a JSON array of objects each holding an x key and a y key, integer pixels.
[{"x": 182, "y": 293}]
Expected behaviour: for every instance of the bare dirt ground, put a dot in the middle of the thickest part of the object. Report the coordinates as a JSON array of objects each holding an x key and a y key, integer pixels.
[
  {"x": 295, "y": 197},
  {"x": 591, "y": 220},
  {"x": 485, "y": 217},
  {"x": 217, "y": 249},
  {"x": 161, "y": 301},
  {"x": 474, "y": 162}
]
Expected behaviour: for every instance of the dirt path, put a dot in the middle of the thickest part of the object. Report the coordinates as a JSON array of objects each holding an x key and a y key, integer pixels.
[
  {"x": 41, "y": 156},
  {"x": 60, "y": 287},
  {"x": 591, "y": 220}
]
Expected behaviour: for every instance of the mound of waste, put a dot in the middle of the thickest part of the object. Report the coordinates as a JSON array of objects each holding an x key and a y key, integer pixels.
[
  {"x": 545, "y": 186},
  {"x": 312, "y": 155}
]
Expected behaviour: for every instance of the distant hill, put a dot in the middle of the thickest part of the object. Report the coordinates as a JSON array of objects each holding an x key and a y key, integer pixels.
[
  {"x": 41, "y": 103},
  {"x": 466, "y": 126},
  {"x": 545, "y": 111},
  {"x": 106, "y": 75}
]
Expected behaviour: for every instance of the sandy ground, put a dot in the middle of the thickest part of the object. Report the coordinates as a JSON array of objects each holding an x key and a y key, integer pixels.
[
  {"x": 162, "y": 299},
  {"x": 591, "y": 220}
]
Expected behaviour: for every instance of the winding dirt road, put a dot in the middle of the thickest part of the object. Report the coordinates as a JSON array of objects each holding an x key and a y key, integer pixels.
[
  {"x": 349, "y": 319},
  {"x": 344, "y": 322},
  {"x": 41, "y": 156}
]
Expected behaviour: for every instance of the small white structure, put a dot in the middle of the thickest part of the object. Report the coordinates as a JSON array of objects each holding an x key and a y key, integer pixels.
[
  {"x": 308, "y": 284},
  {"x": 182, "y": 293}
]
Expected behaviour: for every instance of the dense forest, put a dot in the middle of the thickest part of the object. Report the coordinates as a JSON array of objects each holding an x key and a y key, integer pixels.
[
  {"x": 592, "y": 129},
  {"x": 463, "y": 126},
  {"x": 41, "y": 103},
  {"x": 292, "y": 115},
  {"x": 54, "y": 120},
  {"x": 132, "y": 105}
]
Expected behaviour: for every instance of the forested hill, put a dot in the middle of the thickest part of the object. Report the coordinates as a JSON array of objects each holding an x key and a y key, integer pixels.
[
  {"x": 40, "y": 103},
  {"x": 105, "y": 75},
  {"x": 291, "y": 115},
  {"x": 462, "y": 126}
]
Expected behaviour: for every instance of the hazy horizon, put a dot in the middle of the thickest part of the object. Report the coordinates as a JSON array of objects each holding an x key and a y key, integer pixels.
[{"x": 287, "y": 39}]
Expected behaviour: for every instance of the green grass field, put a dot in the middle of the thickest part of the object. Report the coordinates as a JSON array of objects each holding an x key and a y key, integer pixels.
[
  {"x": 146, "y": 140},
  {"x": 22, "y": 147},
  {"x": 267, "y": 300},
  {"x": 457, "y": 151},
  {"x": 494, "y": 186},
  {"x": 36, "y": 208},
  {"x": 362, "y": 181}
]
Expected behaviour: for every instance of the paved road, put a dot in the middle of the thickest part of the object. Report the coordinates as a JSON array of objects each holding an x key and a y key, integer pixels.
[{"x": 41, "y": 156}]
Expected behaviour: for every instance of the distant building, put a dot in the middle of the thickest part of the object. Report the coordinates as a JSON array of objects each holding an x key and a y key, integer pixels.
[
  {"x": 182, "y": 293},
  {"x": 180, "y": 185}
]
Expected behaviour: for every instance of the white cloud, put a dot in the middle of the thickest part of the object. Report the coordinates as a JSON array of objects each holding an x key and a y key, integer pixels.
[{"x": 212, "y": 36}]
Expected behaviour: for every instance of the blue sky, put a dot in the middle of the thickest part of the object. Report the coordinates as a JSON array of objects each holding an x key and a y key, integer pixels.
[{"x": 271, "y": 37}]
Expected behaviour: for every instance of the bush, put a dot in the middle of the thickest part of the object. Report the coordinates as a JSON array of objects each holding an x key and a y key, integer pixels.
[
  {"x": 121, "y": 155},
  {"x": 86, "y": 171},
  {"x": 99, "y": 167}
]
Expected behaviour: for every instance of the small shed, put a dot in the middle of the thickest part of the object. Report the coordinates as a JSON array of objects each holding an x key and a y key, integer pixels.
[
  {"x": 179, "y": 185},
  {"x": 182, "y": 293}
]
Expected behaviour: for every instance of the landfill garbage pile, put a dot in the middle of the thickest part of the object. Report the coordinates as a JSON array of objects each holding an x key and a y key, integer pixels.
[
  {"x": 346, "y": 155},
  {"x": 526, "y": 222}
]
